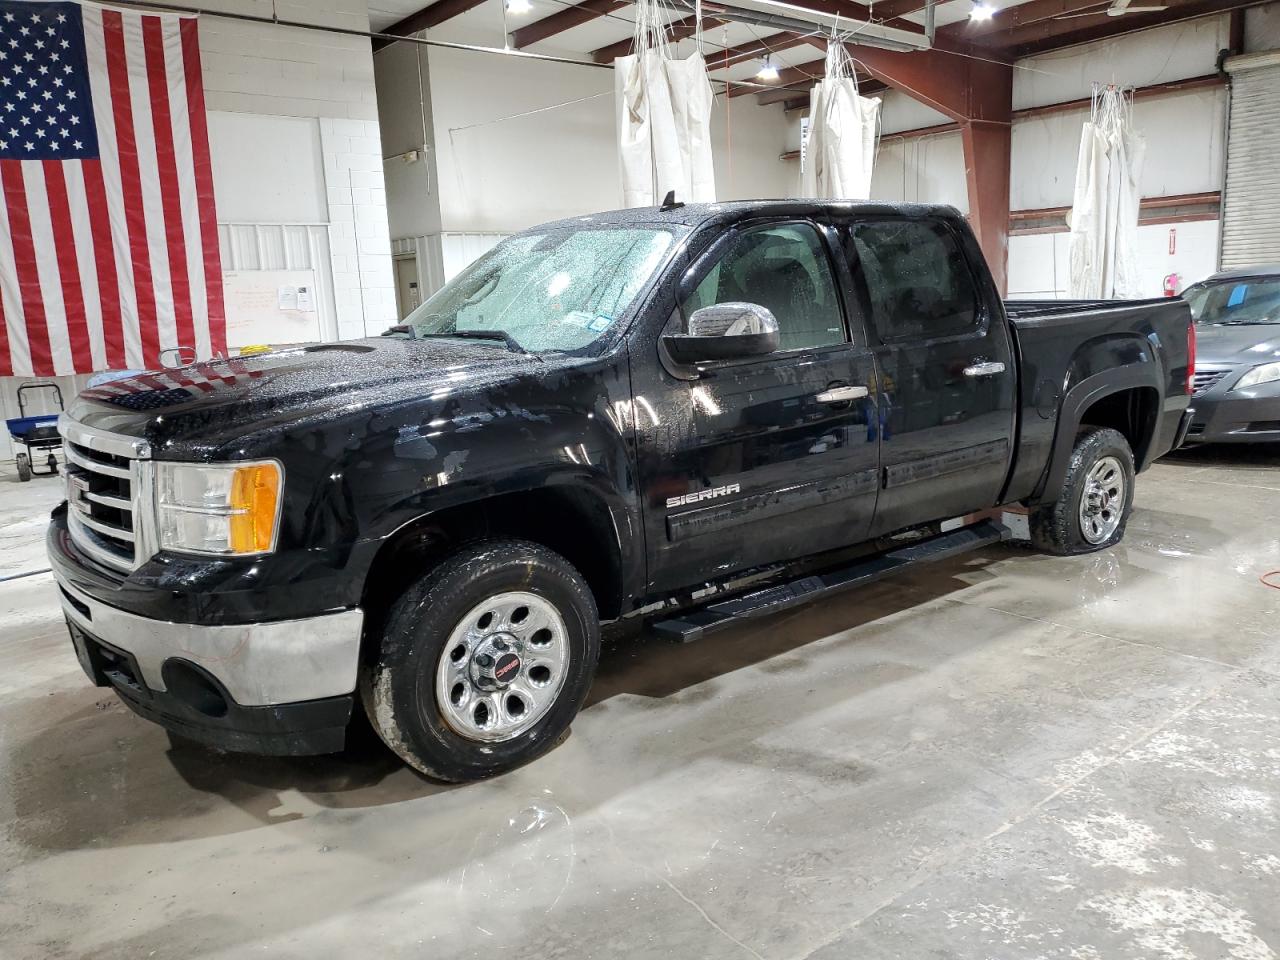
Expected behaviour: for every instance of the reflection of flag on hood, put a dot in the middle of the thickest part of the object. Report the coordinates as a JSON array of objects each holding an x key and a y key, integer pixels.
[
  {"x": 164, "y": 388},
  {"x": 108, "y": 237}
]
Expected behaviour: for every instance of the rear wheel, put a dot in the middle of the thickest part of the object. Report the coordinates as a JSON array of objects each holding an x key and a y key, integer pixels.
[
  {"x": 24, "y": 467},
  {"x": 1096, "y": 498},
  {"x": 484, "y": 661}
]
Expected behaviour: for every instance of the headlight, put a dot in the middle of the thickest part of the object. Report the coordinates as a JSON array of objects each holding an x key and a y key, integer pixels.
[
  {"x": 230, "y": 509},
  {"x": 1264, "y": 373}
]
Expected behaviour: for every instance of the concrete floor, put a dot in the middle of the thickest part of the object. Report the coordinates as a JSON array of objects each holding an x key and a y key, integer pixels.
[{"x": 1008, "y": 755}]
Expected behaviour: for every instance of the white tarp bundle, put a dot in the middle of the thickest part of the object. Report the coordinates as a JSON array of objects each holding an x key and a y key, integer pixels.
[
  {"x": 664, "y": 118},
  {"x": 1104, "y": 213},
  {"x": 844, "y": 129}
]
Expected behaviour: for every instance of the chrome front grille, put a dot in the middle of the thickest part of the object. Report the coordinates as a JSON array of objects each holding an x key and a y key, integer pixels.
[
  {"x": 108, "y": 491},
  {"x": 1202, "y": 380}
]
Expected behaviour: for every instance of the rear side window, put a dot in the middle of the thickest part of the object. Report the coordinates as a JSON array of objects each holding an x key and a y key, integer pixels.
[
  {"x": 784, "y": 268},
  {"x": 916, "y": 278}
]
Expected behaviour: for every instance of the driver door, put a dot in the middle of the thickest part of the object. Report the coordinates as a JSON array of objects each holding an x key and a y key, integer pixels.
[{"x": 766, "y": 459}]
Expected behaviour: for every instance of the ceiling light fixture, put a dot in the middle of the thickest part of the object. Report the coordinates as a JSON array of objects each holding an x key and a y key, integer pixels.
[
  {"x": 519, "y": 6},
  {"x": 981, "y": 12},
  {"x": 768, "y": 71}
]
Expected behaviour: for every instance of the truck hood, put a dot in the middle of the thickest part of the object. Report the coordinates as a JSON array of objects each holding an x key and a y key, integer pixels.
[
  {"x": 1231, "y": 344},
  {"x": 204, "y": 406}
]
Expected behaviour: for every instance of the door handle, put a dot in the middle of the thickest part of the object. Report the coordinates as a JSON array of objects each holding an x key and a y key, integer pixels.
[
  {"x": 988, "y": 368},
  {"x": 841, "y": 394}
]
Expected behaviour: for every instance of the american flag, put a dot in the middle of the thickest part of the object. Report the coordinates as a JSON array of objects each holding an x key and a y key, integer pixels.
[{"x": 108, "y": 235}]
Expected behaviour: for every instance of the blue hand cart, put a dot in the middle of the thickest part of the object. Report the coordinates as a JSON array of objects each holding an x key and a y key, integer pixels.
[{"x": 35, "y": 433}]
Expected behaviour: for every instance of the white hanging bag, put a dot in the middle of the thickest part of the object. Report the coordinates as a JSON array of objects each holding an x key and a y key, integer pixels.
[
  {"x": 844, "y": 130},
  {"x": 664, "y": 118}
]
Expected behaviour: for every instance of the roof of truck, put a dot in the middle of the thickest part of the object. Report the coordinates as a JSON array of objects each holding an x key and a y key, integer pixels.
[{"x": 697, "y": 214}]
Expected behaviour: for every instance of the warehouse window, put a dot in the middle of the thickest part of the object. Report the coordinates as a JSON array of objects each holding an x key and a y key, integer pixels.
[
  {"x": 916, "y": 278},
  {"x": 785, "y": 269}
]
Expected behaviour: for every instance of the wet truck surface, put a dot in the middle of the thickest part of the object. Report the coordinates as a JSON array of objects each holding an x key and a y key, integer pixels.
[{"x": 684, "y": 415}]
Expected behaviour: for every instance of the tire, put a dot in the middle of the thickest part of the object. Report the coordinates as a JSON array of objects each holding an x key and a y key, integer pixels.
[
  {"x": 456, "y": 630},
  {"x": 1096, "y": 498},
  {"x": 24, "y": 467}
]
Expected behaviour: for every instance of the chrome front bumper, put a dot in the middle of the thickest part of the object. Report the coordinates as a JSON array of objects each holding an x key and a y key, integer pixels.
[{"x": 258, "y": 664}]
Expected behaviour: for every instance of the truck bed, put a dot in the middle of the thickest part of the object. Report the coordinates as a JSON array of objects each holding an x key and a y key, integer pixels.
[
  {"x": 1061, "y": 342},
  {"x": 1052, "y": 310}
]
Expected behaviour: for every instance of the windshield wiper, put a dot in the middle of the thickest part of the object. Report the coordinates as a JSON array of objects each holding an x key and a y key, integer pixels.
[
  {"x": 405, "y": 330},
  {"x": 512, "y": 343}
]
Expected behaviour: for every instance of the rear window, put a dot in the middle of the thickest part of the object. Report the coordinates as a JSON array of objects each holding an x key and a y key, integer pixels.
[{"x": 916, "y": 278}]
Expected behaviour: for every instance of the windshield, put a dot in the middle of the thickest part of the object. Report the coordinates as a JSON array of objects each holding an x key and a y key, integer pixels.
[
  {"x": 1236, "y": 301},
  {"x": 553, "y": 291}
]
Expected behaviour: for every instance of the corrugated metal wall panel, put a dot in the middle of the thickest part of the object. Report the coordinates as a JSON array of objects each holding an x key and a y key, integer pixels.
[{"x": 1251, "y": 194}]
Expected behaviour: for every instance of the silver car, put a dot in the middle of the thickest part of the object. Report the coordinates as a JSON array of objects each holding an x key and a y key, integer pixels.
[{"x": 1236, "y": 390}]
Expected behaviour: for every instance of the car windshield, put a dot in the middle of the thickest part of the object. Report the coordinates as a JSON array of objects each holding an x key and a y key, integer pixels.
[
  {"x": 1254, "y": 300},
  {"x": 556, "y": 290}
]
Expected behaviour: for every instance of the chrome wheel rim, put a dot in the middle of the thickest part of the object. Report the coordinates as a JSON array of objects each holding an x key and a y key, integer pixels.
[
  {"x": 503, "y": 667},
  {"x": 1102, "y": 501}
]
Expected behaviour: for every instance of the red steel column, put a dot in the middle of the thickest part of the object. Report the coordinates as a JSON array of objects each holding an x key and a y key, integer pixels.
[{"x": 977, "y": 94}]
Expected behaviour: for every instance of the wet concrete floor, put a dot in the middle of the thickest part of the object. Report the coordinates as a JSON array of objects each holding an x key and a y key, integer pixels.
[{"x": 1006, "y": 755}]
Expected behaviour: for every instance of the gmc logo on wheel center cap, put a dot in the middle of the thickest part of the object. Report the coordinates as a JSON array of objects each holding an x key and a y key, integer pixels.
[{"x": 507, "y": 665}]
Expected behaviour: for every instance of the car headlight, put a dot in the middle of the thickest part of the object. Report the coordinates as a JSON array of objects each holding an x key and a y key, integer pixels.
[
  {"x": 1263, "y": 373},
  {"x": 228, "y": 509}
]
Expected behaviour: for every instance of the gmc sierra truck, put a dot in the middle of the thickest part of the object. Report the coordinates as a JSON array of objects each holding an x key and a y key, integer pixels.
[{"x": 680, "y": 416}]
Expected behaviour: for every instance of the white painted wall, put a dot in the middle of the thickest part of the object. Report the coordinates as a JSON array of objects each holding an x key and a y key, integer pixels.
[
  {"x": 1262, "y": 28},
  {"x": 291, "y": 79},
  {"x": 517, "y": 142},
  {"x": 926, "y": 169},
  {"x": 1039, "y": 264},
  {"x": 1185, "y": 134},
  {"x": 499, "y": 171},
  {"x": 1175, "y": 52}
]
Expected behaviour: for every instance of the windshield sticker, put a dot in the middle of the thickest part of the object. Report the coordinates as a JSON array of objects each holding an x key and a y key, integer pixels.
[
  {"x": 576, "y": 318},
  {"x": 600, "y": 323}
]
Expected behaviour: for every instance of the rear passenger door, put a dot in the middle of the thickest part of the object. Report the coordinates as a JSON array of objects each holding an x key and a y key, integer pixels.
[{"x": 947, "y": 377}]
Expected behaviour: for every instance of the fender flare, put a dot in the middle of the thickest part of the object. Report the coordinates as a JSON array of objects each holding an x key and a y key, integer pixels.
[
  {"x": 1079, "y": 399},
  {"x": 623, "y": 534}
]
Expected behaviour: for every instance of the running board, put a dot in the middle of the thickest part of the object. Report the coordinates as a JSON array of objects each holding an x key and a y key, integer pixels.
[{"x": 693, "y": 624}]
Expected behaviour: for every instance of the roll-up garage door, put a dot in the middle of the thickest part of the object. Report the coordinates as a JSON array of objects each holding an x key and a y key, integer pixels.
[{"x": 1251, "y": 195}]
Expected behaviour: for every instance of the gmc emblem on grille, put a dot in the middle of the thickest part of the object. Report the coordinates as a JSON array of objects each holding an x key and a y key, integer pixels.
[{"x": 78, "y": 492}]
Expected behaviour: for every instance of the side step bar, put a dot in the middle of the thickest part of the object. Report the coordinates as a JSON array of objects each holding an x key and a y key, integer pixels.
[{"x": 693, "y": 624}]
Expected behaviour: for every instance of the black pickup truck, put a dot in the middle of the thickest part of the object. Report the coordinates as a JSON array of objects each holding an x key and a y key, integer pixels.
[{"x": 681, "y": 416}]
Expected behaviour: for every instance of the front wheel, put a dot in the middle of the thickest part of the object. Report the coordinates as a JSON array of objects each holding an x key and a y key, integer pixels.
[
  {"x": 484, "y": 661},
  {"x": 1096, "y": 498},
  {"x": 24, "y": 467}
]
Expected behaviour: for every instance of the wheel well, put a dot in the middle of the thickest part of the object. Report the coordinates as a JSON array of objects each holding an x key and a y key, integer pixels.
[
  {"x": 573, "y": 522},
  {"x": 1132, "y": 412}
]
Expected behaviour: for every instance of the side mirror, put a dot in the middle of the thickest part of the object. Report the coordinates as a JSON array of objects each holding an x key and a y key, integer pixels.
[{"x": 725, "y": 331}]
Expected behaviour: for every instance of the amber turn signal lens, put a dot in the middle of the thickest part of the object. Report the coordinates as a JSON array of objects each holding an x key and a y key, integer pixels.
[{"x": 255, "y": 496}]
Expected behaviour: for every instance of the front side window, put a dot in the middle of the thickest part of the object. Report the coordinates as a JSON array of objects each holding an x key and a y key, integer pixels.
[
  {"x": 548, "y": 291},
  {"x": 916, "y": 277},
  {"x": 784, "y": 269},
  {"x": 1255, "y": 300}
]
